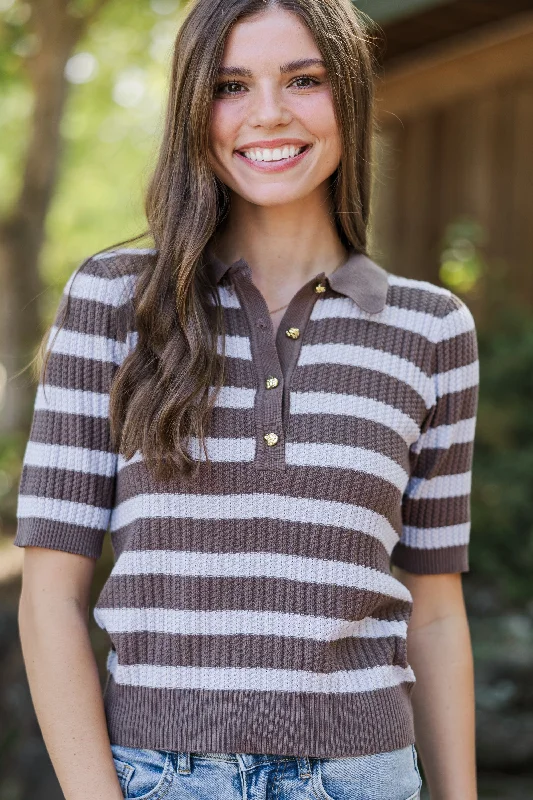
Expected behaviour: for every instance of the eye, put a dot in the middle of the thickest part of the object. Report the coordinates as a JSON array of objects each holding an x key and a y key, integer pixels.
[
  {"x": 228, "y": 87},
  {"x": 310, "y": 81}
]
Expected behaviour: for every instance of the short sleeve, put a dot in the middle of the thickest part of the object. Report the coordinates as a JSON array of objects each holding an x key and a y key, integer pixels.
[
  {"x": 436, "y": 502},
  {"x": 66, "y": 490}
]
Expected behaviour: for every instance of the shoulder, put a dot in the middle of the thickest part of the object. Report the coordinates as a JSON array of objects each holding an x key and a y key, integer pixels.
[
  {"x": 440, "y": 314},
  {"x": 109, "y": 278}
]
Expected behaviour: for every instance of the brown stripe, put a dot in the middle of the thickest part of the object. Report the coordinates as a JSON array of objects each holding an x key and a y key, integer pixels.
[
  {"x": 61, "y": 484},
  {"x": 257, "y": 593},
  {"x": 249, "y": 651},
  {"x": 459, "y": 351},
  {"x": 50, "y": 427},
  {"x": 438, "y": 512},
  {"x": 93, "y": 317},
  {"x": 431, "y": 561},
  {"x": 36, "y": 532},
  {"x": 419, "y": 299},
  {"x": 71, "y": 372},
  {"x": 456, "y": 460},
  {"x": 456, "y": 406}
]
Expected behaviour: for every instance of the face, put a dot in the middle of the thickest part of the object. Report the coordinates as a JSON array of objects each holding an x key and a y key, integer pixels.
[{"x": 274, "y": 137}]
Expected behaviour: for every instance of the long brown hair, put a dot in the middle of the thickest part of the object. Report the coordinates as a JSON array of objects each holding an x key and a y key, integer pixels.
[{"x": 161, "y": 395}]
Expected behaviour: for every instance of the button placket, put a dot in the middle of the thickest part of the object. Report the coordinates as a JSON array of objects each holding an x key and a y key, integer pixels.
[{"x": 274, "y": 358}]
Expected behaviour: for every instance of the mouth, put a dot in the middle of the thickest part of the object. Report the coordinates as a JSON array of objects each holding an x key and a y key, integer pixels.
[{"x": 276, "y": 154}]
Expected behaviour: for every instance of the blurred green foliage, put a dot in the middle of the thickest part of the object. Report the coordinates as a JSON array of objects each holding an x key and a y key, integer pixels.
[{"x": 502, "y": 508}]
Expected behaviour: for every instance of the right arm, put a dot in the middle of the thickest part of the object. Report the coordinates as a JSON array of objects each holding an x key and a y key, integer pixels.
[
  {"x": 62, "y": 672},
  {"x": 66, "y": 497}
]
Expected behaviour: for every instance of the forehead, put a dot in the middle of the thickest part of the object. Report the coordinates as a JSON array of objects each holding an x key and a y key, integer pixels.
[{"x": 269, "y": 38}]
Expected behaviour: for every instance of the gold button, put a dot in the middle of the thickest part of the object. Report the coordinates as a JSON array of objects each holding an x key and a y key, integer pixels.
[
  {"x": 319, "y": 288},
  {"x": 293, "y": 333},
  {"x": 271, "y": 383},
  {"x": 271, "y": 438}
]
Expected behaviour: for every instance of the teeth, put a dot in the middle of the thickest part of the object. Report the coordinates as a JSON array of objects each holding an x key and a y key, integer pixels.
[{"x": 277, "y": 154}]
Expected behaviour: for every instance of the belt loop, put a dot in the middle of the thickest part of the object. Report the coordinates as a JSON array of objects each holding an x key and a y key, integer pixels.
[
  {"x": 184, "y": 762},
  {"x": 304, "y": 767}
]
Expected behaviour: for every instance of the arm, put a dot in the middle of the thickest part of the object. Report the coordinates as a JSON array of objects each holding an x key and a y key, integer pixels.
[
  {"x": 439, "y": 650},
  {"x": 66, "y": 497},
  {"x": 62, "y": 672}
]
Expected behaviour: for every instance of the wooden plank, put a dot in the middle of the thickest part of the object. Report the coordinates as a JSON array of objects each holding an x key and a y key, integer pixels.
[
  {"x": 451, "y": 72},
  {"x": 520, "y": 234}
]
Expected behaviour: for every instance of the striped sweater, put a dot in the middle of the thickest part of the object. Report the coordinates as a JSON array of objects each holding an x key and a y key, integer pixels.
[{"x": 254, "y": 609}]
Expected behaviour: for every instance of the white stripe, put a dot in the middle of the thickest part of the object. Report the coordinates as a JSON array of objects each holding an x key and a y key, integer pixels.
[
  {"x": 440, "y": 487},
  {"x": 257, "y": 679},
  {"x": 252, "y": 564},
  {"x": 368, "y": 358},
  {"x": 109, "y": 291},
  {"x": 234, "y": 397},
  {"x": 71, "y": 401},
  {"x": 444, "y": 436},
  {"x": 458, "y": 379},
  {"x": 67, "y": 511},
  {"x": 228, "y": 298},
  {"x": 412, "y": 283},
  {"x": 87, "y": 345},
  {"x": 433, "y": 538},
  {"x": 255, "y": 506},
  {"x": 123, "y": 462},
  {"x": 418, "y": 322},
  {"x": 235, "y": 622},
  {"x": 355, "y": 406},
  {"x": 77, "y": 459},
  {"x": 340, "y": 456},
  {"x": 220, "y": 449},
  {"x": 236, "y": 347}
]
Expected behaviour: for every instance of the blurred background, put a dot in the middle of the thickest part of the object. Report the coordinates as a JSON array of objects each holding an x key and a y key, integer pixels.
[{"x": 82, "y": 89}]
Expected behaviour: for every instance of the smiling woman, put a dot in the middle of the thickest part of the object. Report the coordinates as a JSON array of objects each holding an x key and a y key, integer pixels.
[{"x": 278, "y": 435}]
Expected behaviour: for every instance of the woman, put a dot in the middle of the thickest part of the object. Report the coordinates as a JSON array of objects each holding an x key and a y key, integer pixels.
[{"x": 264, "y": 419}]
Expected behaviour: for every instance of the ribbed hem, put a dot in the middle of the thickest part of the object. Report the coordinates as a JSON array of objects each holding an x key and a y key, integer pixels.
[
  {"x": 34, "y": 531},
  {"x": 431, "y": 561},
  {"x": 299, "y": 724}
]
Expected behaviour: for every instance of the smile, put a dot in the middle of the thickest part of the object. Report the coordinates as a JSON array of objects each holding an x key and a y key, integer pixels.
[
  {"x": 276, "y": 159},
  {"x": 276, "y": 154}
]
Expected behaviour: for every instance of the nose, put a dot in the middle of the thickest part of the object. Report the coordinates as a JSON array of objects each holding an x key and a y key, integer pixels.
[{"x": 269, "y": 109}]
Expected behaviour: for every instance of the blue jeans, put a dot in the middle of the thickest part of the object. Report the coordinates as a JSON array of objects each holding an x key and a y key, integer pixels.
[{"x": 173, "y": 775}]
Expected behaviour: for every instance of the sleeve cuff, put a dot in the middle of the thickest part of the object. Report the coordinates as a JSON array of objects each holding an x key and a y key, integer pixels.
[
  {"x": 55, "y": 535},
  {"x": 432, "y": 561}
]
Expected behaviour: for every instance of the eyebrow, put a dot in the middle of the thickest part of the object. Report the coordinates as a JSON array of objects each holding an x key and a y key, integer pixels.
[{"x": 291, "y": 66}]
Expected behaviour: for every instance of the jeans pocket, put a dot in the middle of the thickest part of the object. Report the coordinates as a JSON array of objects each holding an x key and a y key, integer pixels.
[
  {"x": 390, "y": 775},
  {"x": 143, "y": 774}
]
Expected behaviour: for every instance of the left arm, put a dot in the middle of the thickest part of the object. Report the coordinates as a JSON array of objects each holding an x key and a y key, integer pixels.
[{"x": 440, "y": 653}]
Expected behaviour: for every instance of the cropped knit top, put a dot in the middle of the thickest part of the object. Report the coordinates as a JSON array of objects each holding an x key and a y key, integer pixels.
[{"x": 254, "y": 609}]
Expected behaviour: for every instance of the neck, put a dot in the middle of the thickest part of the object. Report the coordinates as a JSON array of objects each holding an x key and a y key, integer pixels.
[{"x": 285, "y": 246}]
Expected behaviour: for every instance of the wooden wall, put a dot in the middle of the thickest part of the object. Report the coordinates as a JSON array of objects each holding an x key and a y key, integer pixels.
[{"x": 456, "y": 138}]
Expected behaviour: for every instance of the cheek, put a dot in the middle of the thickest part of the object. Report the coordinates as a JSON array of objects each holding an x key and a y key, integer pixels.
[
  {"x": 224, "y": 126},
  {"x": 318, "y": 115}
]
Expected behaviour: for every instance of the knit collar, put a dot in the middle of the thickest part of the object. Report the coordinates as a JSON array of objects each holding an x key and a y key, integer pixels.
[{"x": 358, "y": 278}]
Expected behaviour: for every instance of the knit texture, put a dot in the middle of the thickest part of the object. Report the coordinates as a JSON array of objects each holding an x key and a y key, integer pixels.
[{"x": 254, "y": 609}]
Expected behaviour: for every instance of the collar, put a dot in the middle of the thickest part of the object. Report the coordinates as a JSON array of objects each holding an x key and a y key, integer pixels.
[{"x": 359, "y": 278}]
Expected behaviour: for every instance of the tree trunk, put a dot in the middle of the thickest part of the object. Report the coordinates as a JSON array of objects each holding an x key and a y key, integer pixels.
[{"x": 22, "y": 231}]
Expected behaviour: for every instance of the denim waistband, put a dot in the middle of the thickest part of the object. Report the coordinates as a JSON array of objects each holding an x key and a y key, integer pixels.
[{"x": 247, "y": 761}]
